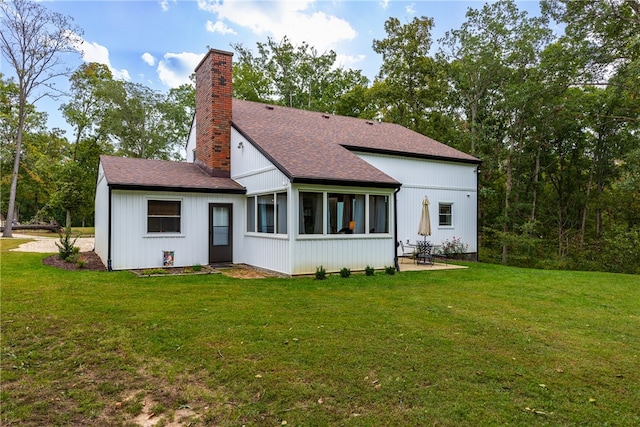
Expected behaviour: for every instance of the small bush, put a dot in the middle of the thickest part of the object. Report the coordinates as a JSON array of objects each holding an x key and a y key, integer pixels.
[
  {"x": 369, "y": 271},
  {"x": 321, "y": 273},
  {"x": 454, "y": 248},
  {"x": 345, "y": 273},
  {"x": 82, "y": 262},
  {"x": 73, "y": 258},
  {"x": 197, "y": 267},
  {"x": 66, "y": 246},
  {"x": 390, "y": 270}
]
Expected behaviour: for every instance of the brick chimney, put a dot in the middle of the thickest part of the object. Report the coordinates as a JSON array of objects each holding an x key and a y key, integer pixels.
[{"x": 213, "y": 113}]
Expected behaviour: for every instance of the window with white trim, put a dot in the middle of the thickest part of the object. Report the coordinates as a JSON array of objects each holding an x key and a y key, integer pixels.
[
  {"x": 311, "y": 208},
  {"x": 267, "y": 213},
  {"x": 378, "y": 214},
  {"x": 445, "y": 214},
  {"x": 345, "y": 213},
  {"x": 163, "y": 216}
]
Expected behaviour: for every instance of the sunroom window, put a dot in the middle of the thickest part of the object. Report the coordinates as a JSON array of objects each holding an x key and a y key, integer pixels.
[
  {"x": 311, "y": 210},
  {"x": 378, "y": 214},
  {"x": 267, "y": 213},
  {"x": 344, "y": 213}
]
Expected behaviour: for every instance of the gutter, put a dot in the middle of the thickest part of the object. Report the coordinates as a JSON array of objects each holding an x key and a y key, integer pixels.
[{"x": 395, "y": 229}]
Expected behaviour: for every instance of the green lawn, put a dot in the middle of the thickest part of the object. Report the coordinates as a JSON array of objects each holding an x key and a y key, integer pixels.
[
  {"x": 75, "y": 232},
  {"x": 487, "y": 345}
]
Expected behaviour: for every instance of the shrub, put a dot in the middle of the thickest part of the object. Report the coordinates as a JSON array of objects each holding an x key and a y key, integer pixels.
[
  {"x": 321, "y": 273},
  {"x": 369, "y": 271},
  {"x": 390, "y": 270},
  {"x": 345, "y": 273},
  {"x": 73, "y": 258},
  {"x": 197, "y": 267},
  {"x": 82, "y": 262},
  {"x": 454, "y": 248},
  {"x": 66, "y": 246}
]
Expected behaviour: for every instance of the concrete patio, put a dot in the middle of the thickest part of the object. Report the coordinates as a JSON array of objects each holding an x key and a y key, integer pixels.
[{"x": 407, "y": 264}]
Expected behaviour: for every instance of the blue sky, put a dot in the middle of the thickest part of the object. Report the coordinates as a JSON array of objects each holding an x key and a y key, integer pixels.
[{"x": 159, "y": 42}]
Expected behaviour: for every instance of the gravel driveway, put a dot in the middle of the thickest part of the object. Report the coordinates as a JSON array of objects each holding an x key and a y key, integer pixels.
[{"x": 48, "y": 244}]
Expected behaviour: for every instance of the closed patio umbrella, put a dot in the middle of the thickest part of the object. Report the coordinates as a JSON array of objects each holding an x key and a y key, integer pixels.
[{"x": 424, "y": 229}]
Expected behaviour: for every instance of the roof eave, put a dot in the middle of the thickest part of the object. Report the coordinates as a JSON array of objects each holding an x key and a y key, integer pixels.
[
  {"x": 177, "y": 189},
  {"x": 473, "y": 161},
  {"x": 344, "y": 183}
]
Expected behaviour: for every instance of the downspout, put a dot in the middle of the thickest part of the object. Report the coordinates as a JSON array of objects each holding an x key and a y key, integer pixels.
[
  {"x": 109, "y": 268},
  {"x": 478, "y": 170},
  {"x": 395, "y": 229}
]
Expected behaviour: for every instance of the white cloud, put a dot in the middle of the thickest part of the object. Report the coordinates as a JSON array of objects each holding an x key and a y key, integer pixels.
[
  {"x": 349, "y": 61},
  {"x": 94, "y": 52},
  {"x": 149, "y": 59},
  {"x": 295, "y": 19},
  {"x": 411, "y": 9},
  {"x": 164, "y": 4},
  {"x": 219, "y": 27},
  {"x": 175, "y": 68},
  {"x": 384, "y": 4}
]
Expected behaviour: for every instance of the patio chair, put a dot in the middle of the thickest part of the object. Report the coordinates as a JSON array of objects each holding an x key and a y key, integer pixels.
[
  {"x": 407, "y": 251},
  {"x": 424, "y": 253}
]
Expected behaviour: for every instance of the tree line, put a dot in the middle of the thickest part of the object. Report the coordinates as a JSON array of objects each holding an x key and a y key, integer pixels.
[{"x": 554, "y": 117}]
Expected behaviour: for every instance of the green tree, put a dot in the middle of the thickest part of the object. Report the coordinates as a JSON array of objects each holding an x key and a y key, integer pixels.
[
  {"x": 35, "y": 140},
  {"x": 178, "y": 109},
  {"x": 31, "y": 40},
  {"x": 86, "y": 111},
  {"x": 410, "y": 82},
  {"x": 498, "y": 90},
  {"x": 137, "y": 125},
  {"x": 295, "y": 76}
]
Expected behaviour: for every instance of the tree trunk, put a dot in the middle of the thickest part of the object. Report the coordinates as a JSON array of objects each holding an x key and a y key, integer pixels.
[
  {"x": 8, "y": 229},
  {"x": 583, "y": 226},
  {"x": 507, "y": 203},
  {"x": 536, "y": 178},
  {"x": 68, "y": 221}
]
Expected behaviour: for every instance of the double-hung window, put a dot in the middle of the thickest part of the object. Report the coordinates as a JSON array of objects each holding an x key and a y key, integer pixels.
[
  {"x": 445, "y": 214},
  {"x": 163, "y": 216}
]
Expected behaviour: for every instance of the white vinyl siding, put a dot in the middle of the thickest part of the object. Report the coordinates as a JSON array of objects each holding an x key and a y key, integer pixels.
[
  {"x": 446, "y": 182},
  {"x": 133, "y": 247},
  {"x": 101, "y": 239}
]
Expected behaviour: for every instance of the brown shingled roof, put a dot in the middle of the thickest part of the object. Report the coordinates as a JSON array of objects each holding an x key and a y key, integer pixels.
[
  {"x": 164, "y": 175},
  {"x": 308, "y": 145}
]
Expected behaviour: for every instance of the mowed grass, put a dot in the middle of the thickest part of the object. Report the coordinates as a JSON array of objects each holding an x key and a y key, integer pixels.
[{"x": 488, "y": 345}]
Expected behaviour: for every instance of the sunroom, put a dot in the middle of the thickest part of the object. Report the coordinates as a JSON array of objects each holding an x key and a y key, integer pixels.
[{"x": 310, "y": 226}]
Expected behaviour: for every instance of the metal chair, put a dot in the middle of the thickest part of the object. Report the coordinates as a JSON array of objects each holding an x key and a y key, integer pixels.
[
  {"x": 408, "y": 251},
  {"x": 424, "y": 253}
]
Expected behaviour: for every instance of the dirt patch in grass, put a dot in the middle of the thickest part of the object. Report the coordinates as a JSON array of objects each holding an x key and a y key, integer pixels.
[
  {"x": 93, "y": 262},
  {"x": 246, "y": 272}
]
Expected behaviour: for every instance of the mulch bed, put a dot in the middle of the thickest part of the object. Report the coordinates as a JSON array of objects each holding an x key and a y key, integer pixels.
[{"x": 93, "y": 262}]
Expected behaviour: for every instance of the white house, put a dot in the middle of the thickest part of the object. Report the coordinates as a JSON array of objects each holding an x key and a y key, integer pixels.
[{"x": 282, "y": 189}]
